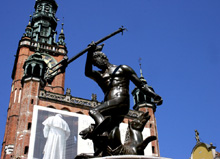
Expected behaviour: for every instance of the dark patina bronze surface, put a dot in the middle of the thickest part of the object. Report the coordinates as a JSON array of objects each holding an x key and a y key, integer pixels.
[{"x": 114, "y": 82}]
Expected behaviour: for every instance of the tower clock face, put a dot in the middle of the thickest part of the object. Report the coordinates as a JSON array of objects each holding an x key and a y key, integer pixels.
[{"x": 49, "y": 60}]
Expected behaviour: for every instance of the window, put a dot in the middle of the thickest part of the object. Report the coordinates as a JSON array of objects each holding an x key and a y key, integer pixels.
[
  {"x": 65, "y": 109},
  {"x": 29, "y": 126},
  {"x": 26, "y": 149},
  {"x": 39, "y": 8},
  {"x": 47, "y": 8},
  {"x": 153, "y": 149},
  {"x": 15, "y": 95},
  {"x": 50, "y": 106},
  {"x": 79, "y": 112},
  {"x": 19, "y": 97},
  {"x": 12, "y": 88}
]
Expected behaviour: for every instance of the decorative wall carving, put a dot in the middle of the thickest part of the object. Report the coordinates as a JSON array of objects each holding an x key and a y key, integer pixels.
[
  {"x": 44, "y": 47},
  {"x": 79, "y": 102},
  {"x": 67, "y": 98}
]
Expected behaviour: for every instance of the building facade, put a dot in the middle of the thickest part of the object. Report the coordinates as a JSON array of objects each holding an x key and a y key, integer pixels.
[
  {"x": 41, "y": 48},
  {"x": 203, "y": 150}
]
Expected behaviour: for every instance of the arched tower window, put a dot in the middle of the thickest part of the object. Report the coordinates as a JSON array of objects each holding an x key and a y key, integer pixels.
[
  {"x": 19, "y": 96},
  {"x": 65, "y": 109},
  {"x": 26, "y": 149},
  {"x": 12, "y": 88},
  {"x": 79, "y": 112},
  {"x": 50, "y": 106},
  {"x": 15, "y": 95}
]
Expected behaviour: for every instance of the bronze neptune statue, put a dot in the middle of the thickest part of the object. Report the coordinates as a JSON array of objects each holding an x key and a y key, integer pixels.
[{"x": 114, "y": 82}]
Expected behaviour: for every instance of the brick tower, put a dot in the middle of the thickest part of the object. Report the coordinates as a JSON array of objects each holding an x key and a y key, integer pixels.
[
  {"x": 37, "y": 51},
  {"x": 144, "y": 103}
]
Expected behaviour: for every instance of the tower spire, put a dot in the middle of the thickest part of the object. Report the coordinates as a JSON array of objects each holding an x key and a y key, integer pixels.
[
  {"x": 28, "y": 29},
  {"x": 30, "y": 20},
  {"x": 140, "y": 67},
  {"x": 62, "y": 28},
  {"x": 61, "y": 37},
  {"x": 44, "y": 22},
  {"x": 141, "y": 72}
]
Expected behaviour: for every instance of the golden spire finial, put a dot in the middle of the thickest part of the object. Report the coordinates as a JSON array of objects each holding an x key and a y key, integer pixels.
[
  {"x": 62, "y": 28},
  {"x": 197, "y": 136},
  {"x": 30, "y": 20}
]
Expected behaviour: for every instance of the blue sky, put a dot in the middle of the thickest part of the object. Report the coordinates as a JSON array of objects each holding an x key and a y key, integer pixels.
[{"x": 178, "y": 41}]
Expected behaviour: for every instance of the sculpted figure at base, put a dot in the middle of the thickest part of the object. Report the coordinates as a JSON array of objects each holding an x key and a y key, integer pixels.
[{"x": 114, "y": 82}]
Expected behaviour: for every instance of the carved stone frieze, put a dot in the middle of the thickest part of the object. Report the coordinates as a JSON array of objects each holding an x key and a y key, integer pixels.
[
  {"x": 70, "y": 100},
  {"x": 43, "y": 47},
  {"x": 67, "y": 99}
]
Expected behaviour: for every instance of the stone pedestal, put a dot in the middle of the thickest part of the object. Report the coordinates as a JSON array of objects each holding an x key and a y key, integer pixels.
[{"x": 130, "y": 157}]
